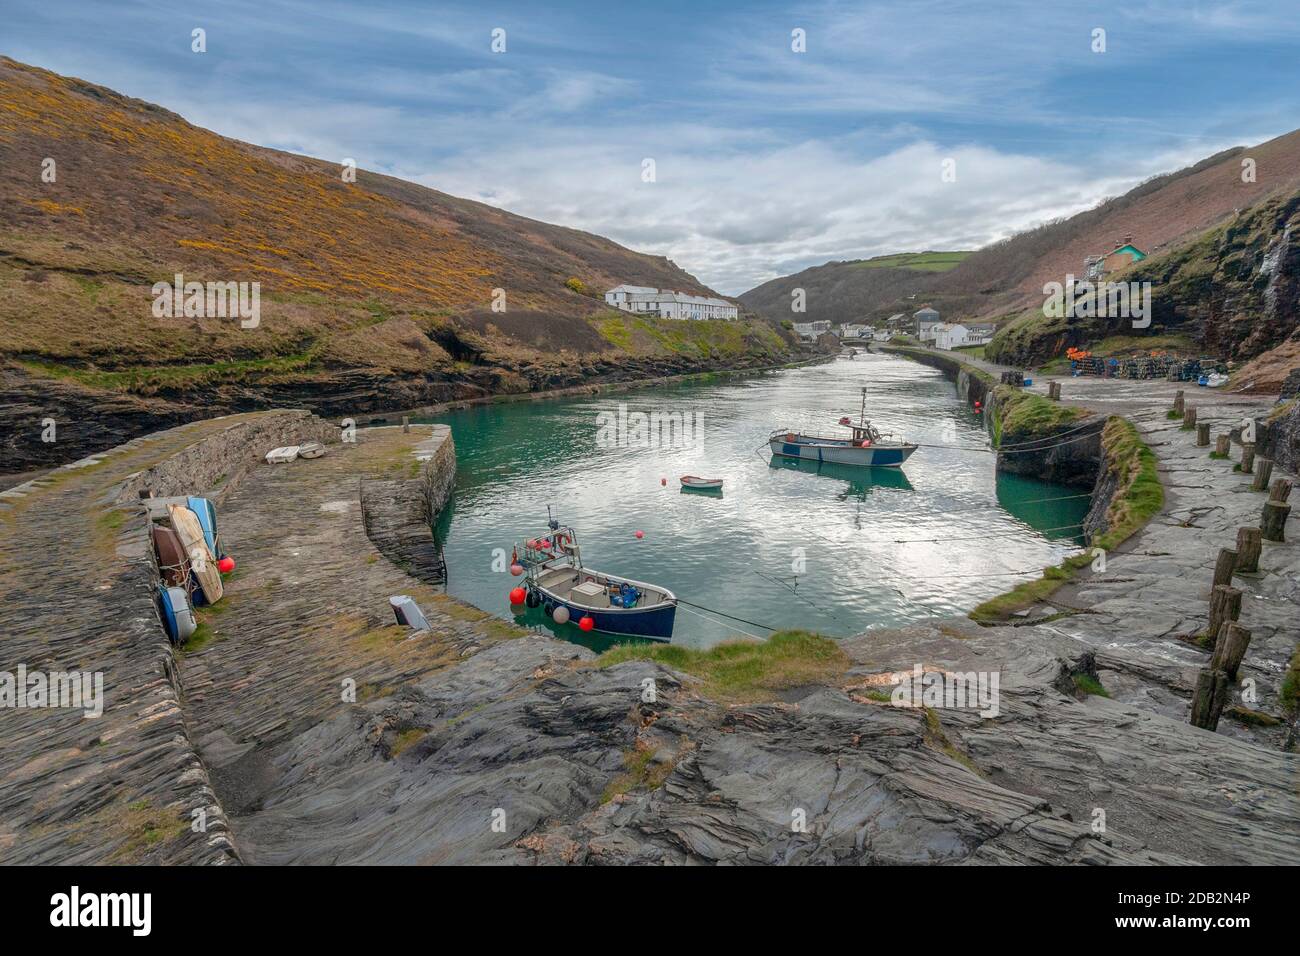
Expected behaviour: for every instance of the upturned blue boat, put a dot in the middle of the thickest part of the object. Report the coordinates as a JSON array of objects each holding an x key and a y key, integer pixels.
[
  {"x": 207, "y": 516},
  {"x": 567, "y": 591}
]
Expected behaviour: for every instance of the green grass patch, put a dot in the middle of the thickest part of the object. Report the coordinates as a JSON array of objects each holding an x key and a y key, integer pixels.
[
  {"x": 641, "y": 773},
  {"x": 406, "y": 740},
  {"x": 1253, "y": 718},
  {"x": 1219, "y": 456},
  {"x": 937, "y": 739},
  {"x": 1090, "y": 685},
  {"x": 738, "y": 671},
  {"x": 149, "y": 379},
  {"x": 917, "y": 261},
  {"x": 1027, "y": 415}
]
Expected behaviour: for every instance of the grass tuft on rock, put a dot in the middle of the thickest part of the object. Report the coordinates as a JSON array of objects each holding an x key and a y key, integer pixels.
[
  {"x": 1090, "y": 685},
  {"x": 745, "y": 670}
]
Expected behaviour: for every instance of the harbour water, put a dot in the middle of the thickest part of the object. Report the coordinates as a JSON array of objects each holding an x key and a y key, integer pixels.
[{"x": 785, "y": 545}]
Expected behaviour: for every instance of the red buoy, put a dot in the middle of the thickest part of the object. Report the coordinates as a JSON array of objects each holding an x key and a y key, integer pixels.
[
  {"x": 586, "y": 622},
  {"x": 517, "y": 596},
  {"x": 663, "y": 481},
  {"x": 640, "y": 534},
  {"x": 226, "y": 565},
  {"x": 516, "y": 569}
]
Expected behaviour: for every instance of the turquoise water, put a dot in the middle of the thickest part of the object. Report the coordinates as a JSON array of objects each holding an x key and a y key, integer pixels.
[{"x": 827, "y": 548}]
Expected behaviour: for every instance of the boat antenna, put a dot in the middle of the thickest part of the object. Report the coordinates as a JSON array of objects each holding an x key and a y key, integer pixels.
[
  {"x": 550, "y": 521},
  {"x": 862, "y": 413}
]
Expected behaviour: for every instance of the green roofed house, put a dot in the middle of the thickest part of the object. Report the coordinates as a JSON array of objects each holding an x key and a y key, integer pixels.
[{"x": 1123, "y": 255}]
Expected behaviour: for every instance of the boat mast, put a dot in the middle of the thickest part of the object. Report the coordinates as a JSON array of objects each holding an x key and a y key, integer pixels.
[{"x": 862, "y": 412}]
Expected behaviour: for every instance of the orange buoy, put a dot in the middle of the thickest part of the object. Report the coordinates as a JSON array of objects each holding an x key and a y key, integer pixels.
[
  {"x": 586, "y": 622},
  {"x": 517, "y": 596}
]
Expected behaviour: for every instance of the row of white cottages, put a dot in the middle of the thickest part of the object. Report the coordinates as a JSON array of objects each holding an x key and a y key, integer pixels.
[{"x": 668, "y": 304}]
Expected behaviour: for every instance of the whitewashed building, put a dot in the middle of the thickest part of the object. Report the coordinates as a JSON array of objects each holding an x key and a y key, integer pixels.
[
  {"x": 854, "y": 330},
  {"x": 667, "y": 304},
  {"x": 949, "y": 336},
  {"x": 811, "y": 330}
]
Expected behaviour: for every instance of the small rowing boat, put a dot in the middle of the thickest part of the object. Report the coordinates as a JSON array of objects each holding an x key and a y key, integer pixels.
[
  {"x": 692, "y": 483},
  {"x": 867, "y": 446},
  {"x": 567, "y": 591}
]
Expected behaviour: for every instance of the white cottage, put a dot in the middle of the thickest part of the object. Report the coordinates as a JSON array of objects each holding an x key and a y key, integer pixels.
[{"x": 669, "y": 305}]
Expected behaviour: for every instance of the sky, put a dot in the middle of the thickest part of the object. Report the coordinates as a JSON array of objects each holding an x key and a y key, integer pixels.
[{"x": 900, "y": 126}]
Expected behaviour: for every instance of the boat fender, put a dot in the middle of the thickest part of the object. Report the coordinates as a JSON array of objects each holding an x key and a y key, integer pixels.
[
  {"x": 548, "y": 608},
  {"x": 532, "y": 600},
  {"x": 866, "y": 443},
  {"x": 790, "y": 437}
]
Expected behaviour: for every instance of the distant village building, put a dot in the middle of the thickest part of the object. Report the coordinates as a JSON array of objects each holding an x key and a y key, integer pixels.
[
  {"x": 882, "y": 335},
  {"x": 811, "y": 330},
  {"x": 958, "y": 336},
  {"x": 1123, "y": 255},
  {"x": 854, "y": 330},
  {"x": 668, "y": 304},
  {"x": 926, "y": 319},
  {"x": 898, "y": 321}
]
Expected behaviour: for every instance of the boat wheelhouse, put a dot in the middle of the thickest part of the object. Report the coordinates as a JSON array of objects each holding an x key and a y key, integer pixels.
[
  {"x": 866, "y": 446},
  {"x": 567, "y": 591}
]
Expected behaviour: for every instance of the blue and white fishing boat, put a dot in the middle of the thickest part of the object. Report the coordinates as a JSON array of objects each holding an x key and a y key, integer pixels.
[
  {"x": 556, "y": 579},
  {"x": 867, "y": 447}
]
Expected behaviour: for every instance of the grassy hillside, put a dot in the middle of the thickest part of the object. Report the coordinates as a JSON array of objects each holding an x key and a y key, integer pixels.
[
  {"x": 374, "y": 294},
  {"x": 859, "y": 290}
]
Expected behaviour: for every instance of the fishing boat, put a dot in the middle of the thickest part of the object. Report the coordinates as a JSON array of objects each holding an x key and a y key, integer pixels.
[
  {"x": 867, "y": 446},
  {"x": 556, "y": 579},
  {"x": 692, "y": 483}
]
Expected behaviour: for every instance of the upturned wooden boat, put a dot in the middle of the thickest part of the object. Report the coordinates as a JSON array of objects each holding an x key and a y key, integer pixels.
[
  {"x": 867, "y": 447},
  {"x": 693, "y": 483},
  {"x": 555, "y": 579},
  {"x": 202, "y": 561},
  {"x": 173, "y": 562}
]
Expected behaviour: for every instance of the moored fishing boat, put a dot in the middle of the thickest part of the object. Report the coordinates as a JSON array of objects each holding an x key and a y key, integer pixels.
[
  {"x": 867, "y": 446},
  {"x": 556, "y": 580}
]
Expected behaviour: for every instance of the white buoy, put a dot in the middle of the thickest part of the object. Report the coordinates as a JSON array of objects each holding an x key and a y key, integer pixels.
[{"x": 560, "y": 615}]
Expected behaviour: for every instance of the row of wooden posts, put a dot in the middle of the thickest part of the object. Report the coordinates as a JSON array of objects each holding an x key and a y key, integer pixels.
[{"x": 1231, "y": 639}]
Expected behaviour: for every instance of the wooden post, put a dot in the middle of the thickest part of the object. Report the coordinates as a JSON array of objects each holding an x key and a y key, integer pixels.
[
  {"x": 1247, "y": 457},
  {"x": 1189, "y": 417},
  {"x": 406, "y": 423},
  {"x": 1178, "y": 402},
  {"x": 1249, "y": 544},
  {"x": 1263, "y": 472},
  {"x": 1230, "y": 648},
  {"x": 1272, "y": 520},
  {"x": 1202, "y": 434},
  {"x": 1054, "y": 391},
  {"x": 1222, "y": 445},
  {"x": 1223, "y": 567},
  {"x": 1281, "y": 489},
  {"x": 1225, "y": 605},
  {"x": 1208, "y": 700}
]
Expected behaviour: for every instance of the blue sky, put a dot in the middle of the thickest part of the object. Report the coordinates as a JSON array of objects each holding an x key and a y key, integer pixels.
[{"x": 766, "y": 160}]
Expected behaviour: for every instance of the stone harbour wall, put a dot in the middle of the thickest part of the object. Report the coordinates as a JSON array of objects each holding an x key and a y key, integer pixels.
[{"x": 216, "y": 463}]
